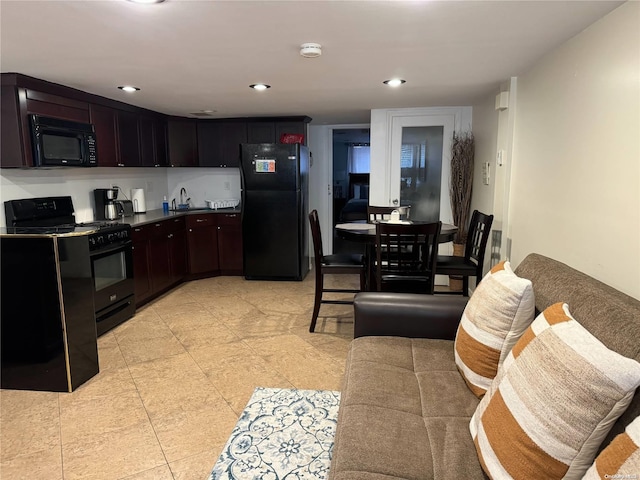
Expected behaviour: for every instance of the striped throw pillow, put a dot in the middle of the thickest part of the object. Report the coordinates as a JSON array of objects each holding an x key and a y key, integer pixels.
[
  {"x": 553, "y": 401},
  {"x": 498, "y": 313},
  {"x": 621, "y": 458}
]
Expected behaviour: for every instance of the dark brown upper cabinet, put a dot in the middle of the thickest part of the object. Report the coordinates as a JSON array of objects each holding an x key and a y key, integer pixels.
[
  {"x": 261, "y": 132},
  {"x": 182, "y": 137},
  {"x": 129, "y": 135},
  {"x": 128, "y": 139},
  {"x": 219, "y": 142},
  {"x": 291, "y": 127},
  {"x": 56, "y": 106},
  {"x": 104, "y": 122},
  {"x": 160, "y": 141},
  {"x": 269, "y": 130},
  {"x": 15, "y": 149},
  {"x": 153, "y": 141}
]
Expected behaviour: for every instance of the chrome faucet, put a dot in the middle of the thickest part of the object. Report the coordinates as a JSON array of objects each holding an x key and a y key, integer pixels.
[{"x": 183, "y": 191}]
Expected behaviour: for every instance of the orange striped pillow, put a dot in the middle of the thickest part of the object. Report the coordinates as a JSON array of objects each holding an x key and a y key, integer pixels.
[
  {"x": 552, "y": 402},
  {"x": 621, "y": 458},
  {"x": 498, "y": 312}
]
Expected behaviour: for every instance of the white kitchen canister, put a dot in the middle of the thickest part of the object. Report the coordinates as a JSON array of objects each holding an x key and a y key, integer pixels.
[{"x": 137, "y": 198}]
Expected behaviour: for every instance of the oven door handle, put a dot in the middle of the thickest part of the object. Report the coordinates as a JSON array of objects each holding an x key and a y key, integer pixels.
[{"x": 106, "y": 251}]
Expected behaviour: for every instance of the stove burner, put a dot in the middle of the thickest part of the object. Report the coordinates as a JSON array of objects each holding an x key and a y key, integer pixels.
[{"x": 98, "y": 224}]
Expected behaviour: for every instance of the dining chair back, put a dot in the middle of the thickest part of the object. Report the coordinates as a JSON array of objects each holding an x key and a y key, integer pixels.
[
  {"x": 472, "y": 264},
  {"x": 347, "y": 263},
  {"x": 406, "y": 256},
  {"x": 376, "y": 214}
]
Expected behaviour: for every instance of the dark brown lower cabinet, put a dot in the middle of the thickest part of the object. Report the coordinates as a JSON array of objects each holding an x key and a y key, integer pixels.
[
  {"x": 177, "y": 249},
  {"x": 192, "y": 246},
  {"x": 141, "y": 271},
  {"x": 159, "y": 259},
  {"x": 230, "y": 244},
  {"x": 202, "y": 241}
]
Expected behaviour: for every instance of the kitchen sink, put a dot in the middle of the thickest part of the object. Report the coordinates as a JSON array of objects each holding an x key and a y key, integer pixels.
[{"x": 194, "y": 209}]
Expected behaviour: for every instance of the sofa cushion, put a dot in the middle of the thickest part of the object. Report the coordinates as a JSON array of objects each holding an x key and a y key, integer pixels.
[
  {"x": 498, "y": 313},
  {"x": 553, "y": 401},
  {"x": 621, "y": 458},
  {"x": 404, "y": 413}
]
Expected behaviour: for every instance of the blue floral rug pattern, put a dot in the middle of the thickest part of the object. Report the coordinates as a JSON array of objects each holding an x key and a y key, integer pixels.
[{"x": 282, "y": 434}]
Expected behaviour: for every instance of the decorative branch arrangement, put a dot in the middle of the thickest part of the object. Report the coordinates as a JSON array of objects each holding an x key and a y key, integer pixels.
[{"x": 460, "y": 188}]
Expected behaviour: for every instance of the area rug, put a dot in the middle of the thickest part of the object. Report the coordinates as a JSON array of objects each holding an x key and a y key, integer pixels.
[{"x": 282, "y": 434}]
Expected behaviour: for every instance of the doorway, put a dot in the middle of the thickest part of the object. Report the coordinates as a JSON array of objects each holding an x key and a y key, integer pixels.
[{"x": 351, "y": 167}]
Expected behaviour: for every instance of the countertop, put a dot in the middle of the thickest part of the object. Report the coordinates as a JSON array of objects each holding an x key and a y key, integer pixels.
[{"x": 157, "y": 215}]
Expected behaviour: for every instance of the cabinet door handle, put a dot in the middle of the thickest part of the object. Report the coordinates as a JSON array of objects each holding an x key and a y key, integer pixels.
[
  {"x": 190, "y": 230},
  {"x": 137, "y": 229},
  {"x": 170, "y": 235},
  {"x": 158, "y": 225},
  {"x": 200, "y": 220},
  {"x": 219, "y": 228}
]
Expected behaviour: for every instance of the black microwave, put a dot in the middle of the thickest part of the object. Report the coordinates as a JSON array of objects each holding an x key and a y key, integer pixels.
[{"x": 59, "y": 142}]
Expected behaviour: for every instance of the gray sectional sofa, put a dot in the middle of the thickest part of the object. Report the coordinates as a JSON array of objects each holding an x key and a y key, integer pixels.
[{"x": 405, "y": 409}]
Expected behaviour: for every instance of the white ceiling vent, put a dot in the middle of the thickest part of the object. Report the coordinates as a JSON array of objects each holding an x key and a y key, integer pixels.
[{"x": 310, "y": 50}]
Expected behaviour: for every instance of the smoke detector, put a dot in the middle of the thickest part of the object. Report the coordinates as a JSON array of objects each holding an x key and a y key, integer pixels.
[{"x": 310, "y": 50}]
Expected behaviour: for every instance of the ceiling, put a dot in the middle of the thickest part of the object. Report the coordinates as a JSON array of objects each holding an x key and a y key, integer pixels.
[{"x": 189, "y": 56}]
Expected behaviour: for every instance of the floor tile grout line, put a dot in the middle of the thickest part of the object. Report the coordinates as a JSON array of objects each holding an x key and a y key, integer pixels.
[
  {"x": 60, "y": 434},
  {"x": 146, "y": 411}
]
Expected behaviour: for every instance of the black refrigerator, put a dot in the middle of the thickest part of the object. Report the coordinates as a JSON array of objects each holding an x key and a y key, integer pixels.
[{"x": 275, "y": 198}]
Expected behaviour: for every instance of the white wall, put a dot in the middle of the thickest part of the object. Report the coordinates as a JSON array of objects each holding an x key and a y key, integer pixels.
[
  {"x": 80, "y": 183},
  {"x": 201, "y": 184},
  {"x": 485, "y": 132},
  {"x": 575, "y": 191}
]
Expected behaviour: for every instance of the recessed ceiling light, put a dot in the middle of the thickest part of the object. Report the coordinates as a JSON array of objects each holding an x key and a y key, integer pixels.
[
  {"x": 394, "y": 82},
  {"x": 260, "y": 86},
  {"x": 128, "y": 88}
]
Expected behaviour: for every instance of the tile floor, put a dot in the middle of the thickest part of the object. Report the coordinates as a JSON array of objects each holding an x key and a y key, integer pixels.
[{"x": 173, "y": 381}]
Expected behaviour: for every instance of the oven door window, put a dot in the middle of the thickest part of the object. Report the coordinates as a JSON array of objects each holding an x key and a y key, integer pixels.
[{"x": 109, "y": 270}]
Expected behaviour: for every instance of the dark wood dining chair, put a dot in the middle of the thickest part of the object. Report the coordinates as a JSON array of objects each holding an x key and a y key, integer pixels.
[
  {"x": 406, "y": 257},
  {"x": 376, "y": 214},
  {"x": 344, "y": 263},
  {"x": 472, "y": 263}
]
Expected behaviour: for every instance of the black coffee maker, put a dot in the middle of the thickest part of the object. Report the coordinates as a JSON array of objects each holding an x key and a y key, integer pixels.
[{"x": 105, "y": 202}]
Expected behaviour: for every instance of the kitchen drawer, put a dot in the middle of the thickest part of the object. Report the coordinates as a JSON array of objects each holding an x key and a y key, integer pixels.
[
  {"x": 140, "y": 233},
  {"x": 200, "y": 220},
  {"x": 175, "y": 224},
  {"x": 157, "y": 229},
  {"x": 228, "y": 218}
]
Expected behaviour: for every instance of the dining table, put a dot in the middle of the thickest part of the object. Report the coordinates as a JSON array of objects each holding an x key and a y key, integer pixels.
[{"x": 362, "y": 231}]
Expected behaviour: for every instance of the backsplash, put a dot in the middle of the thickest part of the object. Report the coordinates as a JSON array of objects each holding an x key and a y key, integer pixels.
[
  {"x": 201, "y": 184},
  {"x": 204, "y": 184}
]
